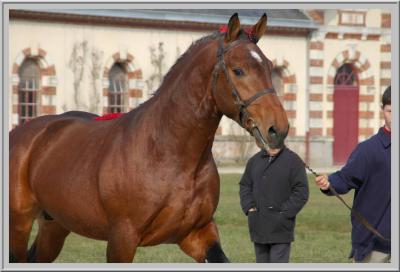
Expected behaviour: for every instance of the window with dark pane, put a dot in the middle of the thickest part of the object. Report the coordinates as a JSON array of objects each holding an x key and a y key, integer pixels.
[
  {"x": 277, "y": 81},
  {"x": 29, "y": 80},
  {"x": 117, "y": 89},
  {"x": 346, "y": 75}
]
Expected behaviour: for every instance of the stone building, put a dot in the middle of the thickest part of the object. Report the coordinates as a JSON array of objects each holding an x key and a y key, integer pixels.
[{"x": 331, "y": 67}]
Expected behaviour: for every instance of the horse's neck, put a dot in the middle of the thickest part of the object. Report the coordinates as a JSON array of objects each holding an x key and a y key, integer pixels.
[{"x": 186, "y": 108}]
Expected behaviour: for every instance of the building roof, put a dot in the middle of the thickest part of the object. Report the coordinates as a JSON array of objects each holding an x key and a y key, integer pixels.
[{"x": 200, "y": 19}]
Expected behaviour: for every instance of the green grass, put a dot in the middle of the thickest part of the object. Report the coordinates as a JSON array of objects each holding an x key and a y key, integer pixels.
[{"x": 322, "y": 233}]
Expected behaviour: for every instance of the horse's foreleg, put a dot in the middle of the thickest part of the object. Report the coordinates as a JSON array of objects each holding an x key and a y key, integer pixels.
[
  {"x": 49, "y": 242},
  {"x": 203, "y": 245},
  {"x": 122, "y": 242}
]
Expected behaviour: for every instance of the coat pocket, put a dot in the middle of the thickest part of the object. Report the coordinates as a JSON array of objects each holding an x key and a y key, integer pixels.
[
  {"x": 285, "y": 223},
  {"x": 252, "y": 219}
]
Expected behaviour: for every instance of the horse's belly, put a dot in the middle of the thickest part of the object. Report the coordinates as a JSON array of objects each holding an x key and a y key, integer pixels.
[{"x": 74, "y": 205}]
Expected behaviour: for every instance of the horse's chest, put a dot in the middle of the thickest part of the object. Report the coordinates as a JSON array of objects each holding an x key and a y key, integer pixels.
[{"x": 188, "y": 208}]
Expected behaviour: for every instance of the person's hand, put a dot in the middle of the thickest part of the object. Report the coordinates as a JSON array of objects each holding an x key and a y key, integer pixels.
[
  {"x": 252, "y": 210},
  {"x": 322, "y": 182}
]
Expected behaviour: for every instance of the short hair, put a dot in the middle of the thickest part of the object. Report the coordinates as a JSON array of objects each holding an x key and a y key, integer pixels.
[{"x": 386, "y": 97}]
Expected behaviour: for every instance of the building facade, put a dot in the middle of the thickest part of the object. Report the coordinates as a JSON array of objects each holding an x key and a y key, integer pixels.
[{"x": 330, "y": 68}]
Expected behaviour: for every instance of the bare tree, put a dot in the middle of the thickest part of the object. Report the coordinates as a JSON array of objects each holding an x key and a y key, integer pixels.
[
  {"x": 77, "y": 64},
  {"x": 158, "y": 64},
  {"x": 242, "y": 140},
  {"x": 85, "y": 64},
  {"x": 95, "y": 73}
]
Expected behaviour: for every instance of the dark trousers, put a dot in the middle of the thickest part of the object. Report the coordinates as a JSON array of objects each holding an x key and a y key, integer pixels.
[{"x": 272, "y": 253}]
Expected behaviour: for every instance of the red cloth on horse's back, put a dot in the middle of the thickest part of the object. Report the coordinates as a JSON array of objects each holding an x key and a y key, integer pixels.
[{"x": 109, "y": 116}]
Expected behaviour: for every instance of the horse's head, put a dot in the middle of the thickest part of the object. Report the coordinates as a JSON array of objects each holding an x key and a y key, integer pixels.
[{"x": 242, "y": 84}]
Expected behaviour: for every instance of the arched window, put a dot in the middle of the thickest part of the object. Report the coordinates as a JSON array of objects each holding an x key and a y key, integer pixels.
[
  {"x": 117, "y": 89},
  {"x": 29, "y": 74},
  {"x": 346, "y": 76},
  {"x": 277, "y": 81}
]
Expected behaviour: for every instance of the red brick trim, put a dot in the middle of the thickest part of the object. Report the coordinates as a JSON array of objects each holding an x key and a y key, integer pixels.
[
  {"x": 366, "y": 98},
  {"x": 46, "y": 90},
  {"x": 315, "y": 97},
  {"x": 331, "y": 35},
  {"x": 48, "y": 109},
  {"x": 105, "y": 92},
  {"x": 331, "y": 80},
  {"x": 49, "y": 71},
  {"x": 365, "y": 131},
  {"x": 315, "y": 114},
  {"x": 135, "y": 93},
  {"x": 317, "y": 45},
  {"x": 135, "y": 74},
  {"x": 14, "y": 108},
  {"x": 290, "y": 96},
  {"x": 386, "y": 65},
  {"x": 336, "y": 63},
  {"x": 292, "y": 131},
  {"x": 353, "y": 36},
  {"x": 316, "y": 80},
  {"x": 316, "y": 63},
  {"x": 386, "y": 48},
  {"x": 386, "y": 20},
  {"x": 317, "y": 15},
  {"x": 385, "y": 81},
  {"x": 366, "y": 114},
  {"x": 329, "y": 98},
  {"x": 329, "y": 114},
  {"x": 367, "y": 81},
  {"x": 329, "y": 131},
  {"x": 291, "y": 113},
  {"x": 315, "y": 131},
  {"x": 289, "y": 79},
  {"x": 373, "y": 37}
]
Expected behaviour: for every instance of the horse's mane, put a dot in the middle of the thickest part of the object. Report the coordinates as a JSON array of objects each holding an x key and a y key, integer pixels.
[{"x": 181, "y": 59}]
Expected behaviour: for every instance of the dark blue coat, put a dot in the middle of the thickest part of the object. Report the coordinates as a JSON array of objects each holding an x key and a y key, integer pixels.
[{"x": 367, "y": 171}]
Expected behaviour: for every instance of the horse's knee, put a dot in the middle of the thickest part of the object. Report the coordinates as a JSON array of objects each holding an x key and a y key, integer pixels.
[{"x": 203, "y": 245}]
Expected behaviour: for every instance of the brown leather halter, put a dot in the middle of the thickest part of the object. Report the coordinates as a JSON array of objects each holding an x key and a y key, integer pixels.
[{"x": 242, "y": 105}]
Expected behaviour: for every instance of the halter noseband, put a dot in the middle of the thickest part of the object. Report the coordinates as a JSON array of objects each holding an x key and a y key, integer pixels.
[{"x": 242, "y": 105}]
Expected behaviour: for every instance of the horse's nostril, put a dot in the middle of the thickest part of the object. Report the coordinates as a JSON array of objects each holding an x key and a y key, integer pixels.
[{"x": 272, "y": 132}]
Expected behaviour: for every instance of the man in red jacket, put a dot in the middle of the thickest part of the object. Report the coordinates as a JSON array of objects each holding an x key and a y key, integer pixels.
[{"x": 367, "y": 171}]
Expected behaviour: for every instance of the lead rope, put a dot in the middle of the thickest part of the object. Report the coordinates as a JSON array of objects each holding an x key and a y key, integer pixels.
[{"x": 356, "y": 214}]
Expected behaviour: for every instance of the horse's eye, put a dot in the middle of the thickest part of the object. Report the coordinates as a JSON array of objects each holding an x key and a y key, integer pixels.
[{"x": 238, "y": 72}]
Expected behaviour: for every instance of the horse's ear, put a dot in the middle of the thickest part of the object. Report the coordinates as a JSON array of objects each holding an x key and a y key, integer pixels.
[
  {"x": 233, "y": 28},
  {"x": 259, "y": 29}
]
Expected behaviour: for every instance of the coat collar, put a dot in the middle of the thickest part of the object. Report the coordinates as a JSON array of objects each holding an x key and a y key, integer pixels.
[
  {"x": 265, "y": 154},
  {"x": 384, "y": 138}
]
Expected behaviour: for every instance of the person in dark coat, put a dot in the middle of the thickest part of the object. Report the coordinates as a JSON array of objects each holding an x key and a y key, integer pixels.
[
  {"x": 367, "y": 171},
  {"x": 273, "y": 190}
]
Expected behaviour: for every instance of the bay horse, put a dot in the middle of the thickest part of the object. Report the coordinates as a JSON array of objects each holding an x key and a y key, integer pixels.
[{"x": 147, "y": 177}]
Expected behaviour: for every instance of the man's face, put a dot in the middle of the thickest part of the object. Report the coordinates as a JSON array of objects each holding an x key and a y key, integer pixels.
[{"x": 387, "y": 115}]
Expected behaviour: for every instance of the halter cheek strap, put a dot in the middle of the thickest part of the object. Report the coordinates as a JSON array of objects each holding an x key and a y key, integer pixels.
[{"x": 242, "y": 105}]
